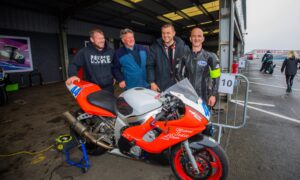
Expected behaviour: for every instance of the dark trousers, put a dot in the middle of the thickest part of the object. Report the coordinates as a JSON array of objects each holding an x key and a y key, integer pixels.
[
  {"x": 109, "y": 88},
  {"x": 289, "y": 80}
]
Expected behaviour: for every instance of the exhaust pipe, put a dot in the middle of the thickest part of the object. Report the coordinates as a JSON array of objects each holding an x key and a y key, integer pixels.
[{"x": 82, "y": 130}]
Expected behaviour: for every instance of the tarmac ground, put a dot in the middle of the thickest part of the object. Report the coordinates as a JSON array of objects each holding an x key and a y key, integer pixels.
[{"x": 268, "y": 147}]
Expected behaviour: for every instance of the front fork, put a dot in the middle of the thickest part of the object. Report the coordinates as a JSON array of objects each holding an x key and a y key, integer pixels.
[{"x": 187, "y": 148}]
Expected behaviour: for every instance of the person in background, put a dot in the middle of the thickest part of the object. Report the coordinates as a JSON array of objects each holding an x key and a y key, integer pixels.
[
  {"x": 235, "y": 67},
  {"x": 96, "y": 62},
  {"x": 290, "y": 65},
  {"x": 165, "y": 54},
  {"x": 131, "y": 60},
  {"x": 266, "y": 60},
  {"x": 199, "y": 66}
]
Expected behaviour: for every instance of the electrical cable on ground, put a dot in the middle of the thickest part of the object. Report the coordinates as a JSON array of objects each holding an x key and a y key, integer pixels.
[{"x": 27, "y": 152}]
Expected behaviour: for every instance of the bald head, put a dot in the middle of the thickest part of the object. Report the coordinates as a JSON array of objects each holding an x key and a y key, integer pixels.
[
  {"x": 197, "y": 38},
  {"x": 196, "y": 30}
]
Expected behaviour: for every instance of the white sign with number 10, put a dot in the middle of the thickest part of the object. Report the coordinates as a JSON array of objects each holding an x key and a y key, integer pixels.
[{"x": 226, "y": 83}]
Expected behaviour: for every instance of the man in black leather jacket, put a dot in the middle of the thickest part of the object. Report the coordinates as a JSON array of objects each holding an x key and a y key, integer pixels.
[{"x": 198, "y": 66}]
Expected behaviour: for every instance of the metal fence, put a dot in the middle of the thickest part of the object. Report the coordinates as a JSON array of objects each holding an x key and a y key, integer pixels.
[{"x": 230, "y": 110}]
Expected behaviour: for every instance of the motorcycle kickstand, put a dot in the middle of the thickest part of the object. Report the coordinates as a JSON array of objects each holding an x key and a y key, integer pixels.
[{"x": 190, "y": 155}]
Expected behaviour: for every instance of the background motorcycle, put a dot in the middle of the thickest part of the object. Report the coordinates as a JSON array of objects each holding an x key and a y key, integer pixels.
[
  {"x": 142, "y": 122},
  {"x": 270, "y": 67}
]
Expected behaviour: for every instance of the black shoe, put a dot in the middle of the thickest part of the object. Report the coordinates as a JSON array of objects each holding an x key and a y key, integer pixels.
[{"x": 289, "y": 89}]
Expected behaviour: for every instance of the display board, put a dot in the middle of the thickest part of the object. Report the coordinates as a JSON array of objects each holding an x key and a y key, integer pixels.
[{"x": 15, "y": 54}]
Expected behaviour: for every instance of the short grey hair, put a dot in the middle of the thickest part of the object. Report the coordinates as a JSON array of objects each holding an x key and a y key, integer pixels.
[{"x": 125, "y": 31}]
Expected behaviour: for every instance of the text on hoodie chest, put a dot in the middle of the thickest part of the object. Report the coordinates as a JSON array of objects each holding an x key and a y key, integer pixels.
[{"x": 100, "y": 59}]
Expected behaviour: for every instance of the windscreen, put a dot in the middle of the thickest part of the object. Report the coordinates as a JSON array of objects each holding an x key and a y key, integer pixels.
[{"x": 183, "y": 87}]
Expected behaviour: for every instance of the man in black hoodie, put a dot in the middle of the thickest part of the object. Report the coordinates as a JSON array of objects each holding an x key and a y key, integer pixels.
[
  {"x": 165, "y": 54},
  {"x": 97, "y": 62}
]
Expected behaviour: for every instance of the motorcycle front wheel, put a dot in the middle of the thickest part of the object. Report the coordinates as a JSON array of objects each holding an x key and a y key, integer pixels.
[{"x": 211, "y": 161}]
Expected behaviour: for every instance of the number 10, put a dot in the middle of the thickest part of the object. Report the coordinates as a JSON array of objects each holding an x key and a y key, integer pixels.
[{"x": 228, "y": 84}]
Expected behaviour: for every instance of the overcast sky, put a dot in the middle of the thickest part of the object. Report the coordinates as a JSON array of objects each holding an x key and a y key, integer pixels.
[{"x": 273, "y": 24}]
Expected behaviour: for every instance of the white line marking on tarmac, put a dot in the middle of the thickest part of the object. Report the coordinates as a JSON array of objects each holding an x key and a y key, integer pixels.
[
  {"x": 273, "y": 86},
  {"x": 294, "y": 111},
  {"x": 255, "y": 103},
  {"x": 271, "y": 113},
  {"x": 255, "y": 78}
]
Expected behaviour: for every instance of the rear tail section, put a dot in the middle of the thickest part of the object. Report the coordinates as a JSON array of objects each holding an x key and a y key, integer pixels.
[
  {"x": 82, "y": 87},
  {"x": 81, "y": 90}
]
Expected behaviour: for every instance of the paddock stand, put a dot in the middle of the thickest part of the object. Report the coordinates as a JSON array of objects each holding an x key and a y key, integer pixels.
[{"x": 65, "y": 143}]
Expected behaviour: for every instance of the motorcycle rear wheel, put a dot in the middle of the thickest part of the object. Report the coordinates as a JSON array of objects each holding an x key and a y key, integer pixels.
[
  {"x": 211, "y": 161},
  {"x": 91, "y": 148}
]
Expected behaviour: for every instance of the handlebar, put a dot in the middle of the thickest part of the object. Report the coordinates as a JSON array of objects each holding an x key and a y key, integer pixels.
[
  {"x": 169, "y": 105},
  {"x": 158, "y": 117}
]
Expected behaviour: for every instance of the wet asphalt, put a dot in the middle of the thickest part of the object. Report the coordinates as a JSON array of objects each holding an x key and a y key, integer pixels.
[{"x": 268, "y": 147}]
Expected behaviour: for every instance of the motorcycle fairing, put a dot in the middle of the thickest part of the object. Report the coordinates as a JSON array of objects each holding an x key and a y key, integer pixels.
[
  {"x": 174, "y": 131},
  {"x": 80, "y": 90},
  {"x": 200, "y": 106},
  {"x": 200, "y": 141}
]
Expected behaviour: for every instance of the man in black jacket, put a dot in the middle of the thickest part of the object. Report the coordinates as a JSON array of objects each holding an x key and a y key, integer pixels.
[
  {"x": 198, "y": 66},
  {"x": 96, "y": 61},
  {"x": 165, "y": 53}
]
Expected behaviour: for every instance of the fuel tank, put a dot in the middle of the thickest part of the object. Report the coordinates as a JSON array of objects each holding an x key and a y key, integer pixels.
[{"x": 136, "y": 105}]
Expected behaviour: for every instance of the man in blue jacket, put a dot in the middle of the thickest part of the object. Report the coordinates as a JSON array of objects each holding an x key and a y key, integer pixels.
[
  {"x": 96, "y": 61},
  {"x": 131, "y": 60},
  {"x": 165, "y": 53}
]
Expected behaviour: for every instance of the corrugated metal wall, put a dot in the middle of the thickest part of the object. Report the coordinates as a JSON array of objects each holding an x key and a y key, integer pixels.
[
  {"x": 23, "y": 20},
  {"x": 43, "y": 31},
  {"x": 19, "y": 19},
  {"x": 82, "y": 28},
  {"x": 45, "y": 56}
]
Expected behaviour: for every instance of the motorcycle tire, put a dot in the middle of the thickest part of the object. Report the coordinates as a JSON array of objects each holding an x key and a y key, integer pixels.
[
  {"x": 212, "y": 163},
  {"x": 91, "y": 148},
  {"x": 3, "y": 96},
  {"x": 271, "y": 71}
]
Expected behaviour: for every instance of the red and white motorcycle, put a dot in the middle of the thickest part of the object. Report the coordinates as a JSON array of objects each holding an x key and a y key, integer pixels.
[{"x": 142, "y": 122}]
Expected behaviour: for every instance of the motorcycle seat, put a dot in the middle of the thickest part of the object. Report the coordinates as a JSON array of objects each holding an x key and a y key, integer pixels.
[{"x": 104, "y": 100}]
